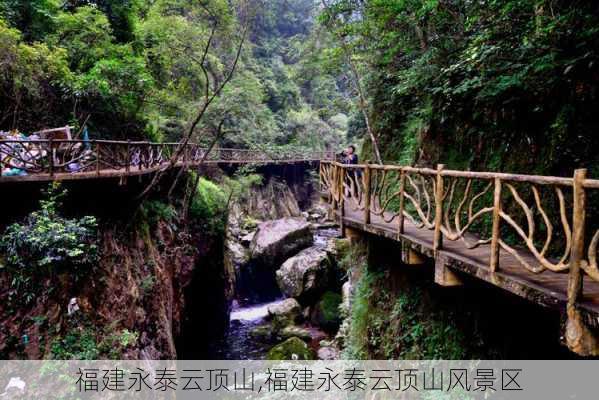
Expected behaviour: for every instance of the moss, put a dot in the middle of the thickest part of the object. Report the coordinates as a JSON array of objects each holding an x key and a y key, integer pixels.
[
  {"x": 209, "y": 207},
  {"x": 292, "y": 348},
  {"x": 327, "y": 314},
  {"x": 386, "y": 324}
]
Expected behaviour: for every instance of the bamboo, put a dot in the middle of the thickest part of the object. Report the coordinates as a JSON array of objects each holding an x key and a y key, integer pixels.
[
  {"x": 438, "y": 236},
  {"x": 494, "y": 257},
  {"x": 578, "y": 222}
]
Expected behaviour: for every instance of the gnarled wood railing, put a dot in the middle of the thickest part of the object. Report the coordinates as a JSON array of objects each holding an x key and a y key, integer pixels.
[
  {"x": 105, "y": 158},
  {"x": 539, "y": 220}
]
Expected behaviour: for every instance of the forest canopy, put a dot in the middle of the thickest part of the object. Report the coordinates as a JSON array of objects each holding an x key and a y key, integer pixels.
[
  {"x": 469, "y": 84},
  {"x": 134, "y": 69}
]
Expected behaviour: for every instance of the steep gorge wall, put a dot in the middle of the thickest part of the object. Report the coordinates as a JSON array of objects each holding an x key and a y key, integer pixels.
[{"x": 135, "y": 302}]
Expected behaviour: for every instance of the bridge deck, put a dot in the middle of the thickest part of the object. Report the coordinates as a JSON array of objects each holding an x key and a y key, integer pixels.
[{"x": 548, "y": 289}]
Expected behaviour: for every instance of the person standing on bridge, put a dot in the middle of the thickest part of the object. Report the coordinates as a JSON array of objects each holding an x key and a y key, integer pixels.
[
  {"x": 349, "y": 155},
  {"x": 352, "y": 178}
]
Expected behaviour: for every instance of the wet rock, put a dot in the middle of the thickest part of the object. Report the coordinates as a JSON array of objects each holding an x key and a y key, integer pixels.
[
  {"x": 291, "y": 349},
  {"x": 246, "y": 240},
  {"x": 346, "y": 296},
  {"x": 305, "y": 275},
  {"x": 328, "y": 353},
  {"x": 277, "y": 240},
  {"x": 296, "y": 331},
  {"x": 263, "y": 332},
  {"x": 284, "y": 313}
]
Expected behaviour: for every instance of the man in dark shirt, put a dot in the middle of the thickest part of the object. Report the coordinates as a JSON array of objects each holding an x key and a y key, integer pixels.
[
  {"x": 353, "y": 176},
  {"x": 350, "y": 155}
]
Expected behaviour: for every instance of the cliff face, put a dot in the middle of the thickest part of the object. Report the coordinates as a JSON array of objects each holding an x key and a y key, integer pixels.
[{"x": 133, "y": 304}]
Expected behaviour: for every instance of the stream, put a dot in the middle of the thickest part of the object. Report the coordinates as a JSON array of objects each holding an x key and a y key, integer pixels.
[{"x": 239, "y": 343}]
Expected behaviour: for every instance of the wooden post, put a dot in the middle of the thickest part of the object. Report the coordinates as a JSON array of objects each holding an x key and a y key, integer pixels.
[
  {"x": 367, "y": 194},
  {"x": 51, "y": 158},
  {"x": 578, "y": 222},
  {"x": 402, "y": 188},
  {"x": 128, "y": 157},
  {"x": 438, "y": 236},
  {"x": 579, "y": 337},
  {"x": 97, "y": 158},
  {"x": 342, "y": 201},
  {"x": 334, "y": 186},
  {"x": 494, "y": 257}
]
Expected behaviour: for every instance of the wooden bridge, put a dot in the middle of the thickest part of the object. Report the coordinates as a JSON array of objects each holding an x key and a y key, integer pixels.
[
  {"x": 47, "y": 159},
  {"x": 526, "y": 234}
]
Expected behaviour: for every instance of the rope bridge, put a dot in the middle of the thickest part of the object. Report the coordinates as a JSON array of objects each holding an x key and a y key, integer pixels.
[
  {"x": 527, "y": 234},
  {"x": 65, "y": 159}
]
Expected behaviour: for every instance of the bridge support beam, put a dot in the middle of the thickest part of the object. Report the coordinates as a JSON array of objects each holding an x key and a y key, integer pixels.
[
  {"x": 409, "y": 256},
  {"x": 443, "y": 275},
  {"x": 354, "y": 235}
]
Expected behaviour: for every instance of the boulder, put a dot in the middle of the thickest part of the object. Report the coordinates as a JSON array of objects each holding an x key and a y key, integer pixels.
[
  {"x": 284, "y": 313},
  {"x": 346, "y": 297},
  {"x": 291, "y": 349},
  {"x": 277, "y": 240},
  {"x": 246, "y": 240},
  {"x": 296, "y": 331},
  {"x": 261, "y": 332},
  {"x": 328, "y": 353},
  {"x": 305, "y": 276}
]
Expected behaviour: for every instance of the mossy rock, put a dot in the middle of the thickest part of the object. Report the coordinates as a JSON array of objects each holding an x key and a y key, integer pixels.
[
  {"x": 291, "y": 349},
  {"x": 296, "y": 331},
  {"x": 261, "y": 332},
  {"x": 326, "y": 313}
]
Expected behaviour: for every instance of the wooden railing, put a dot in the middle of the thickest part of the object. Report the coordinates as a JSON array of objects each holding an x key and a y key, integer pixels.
[
  {"x": 539, "y": 220},
  {"x": 50, "y": 157}
]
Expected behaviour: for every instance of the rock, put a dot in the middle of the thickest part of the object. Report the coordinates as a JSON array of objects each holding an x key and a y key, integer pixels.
[
  {"x": 296, "y": 331},
  {"x": 328, "y": 353},
  {"x": 326, "y": 313},
  {"x": 346, "y": 296},
  {"x": 236, "y": 253},
  {"x": 291, "y": 349},
  {"x": 277, "y": 240},
  {"x": 284, "y": 313},
  {"x": 305, "y": 275},
  {"x": 246, "y": 240},
  {"x": 264, "y": 332}
]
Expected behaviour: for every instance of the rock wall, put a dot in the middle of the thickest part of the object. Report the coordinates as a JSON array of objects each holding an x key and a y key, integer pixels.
[{"x": 155, "y": 274}]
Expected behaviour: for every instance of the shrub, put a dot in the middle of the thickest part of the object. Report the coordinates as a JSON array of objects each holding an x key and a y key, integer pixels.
[
  {"x": 46, "y": 243},
  {"x": 209, "y": 207}
]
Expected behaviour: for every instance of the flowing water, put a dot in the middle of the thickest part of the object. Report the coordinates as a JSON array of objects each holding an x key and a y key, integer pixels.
[{"x": 239, "y": 343}]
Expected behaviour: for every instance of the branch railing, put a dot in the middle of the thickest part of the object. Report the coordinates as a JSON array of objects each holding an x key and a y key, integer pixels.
[
  {"x": 50, "y": 157},
  {"x": 539, "y": 220}
]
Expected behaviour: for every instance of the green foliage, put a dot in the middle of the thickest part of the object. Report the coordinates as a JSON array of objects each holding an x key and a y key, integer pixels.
[
  {"x": 47, "y": 243},
  {"x": 76, "y": 345},
  {"x": 476, "y": 84},
  {"x": 291, "y": 349},
  {"x": 327, "y": 310},
  {"x": 85, "y": 343},
  {"x": 385, "y": 325},
  {"x": 209, "y": 207}
]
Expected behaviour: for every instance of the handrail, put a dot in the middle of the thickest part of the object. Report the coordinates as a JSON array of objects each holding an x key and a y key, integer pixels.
[
  {"x": 48, "y": 157},
  {"x": 539, "y": 220}
]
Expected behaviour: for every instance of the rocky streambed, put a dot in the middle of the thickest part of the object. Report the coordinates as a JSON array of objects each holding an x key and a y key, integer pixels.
[{"x": 288, "y": 289}]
